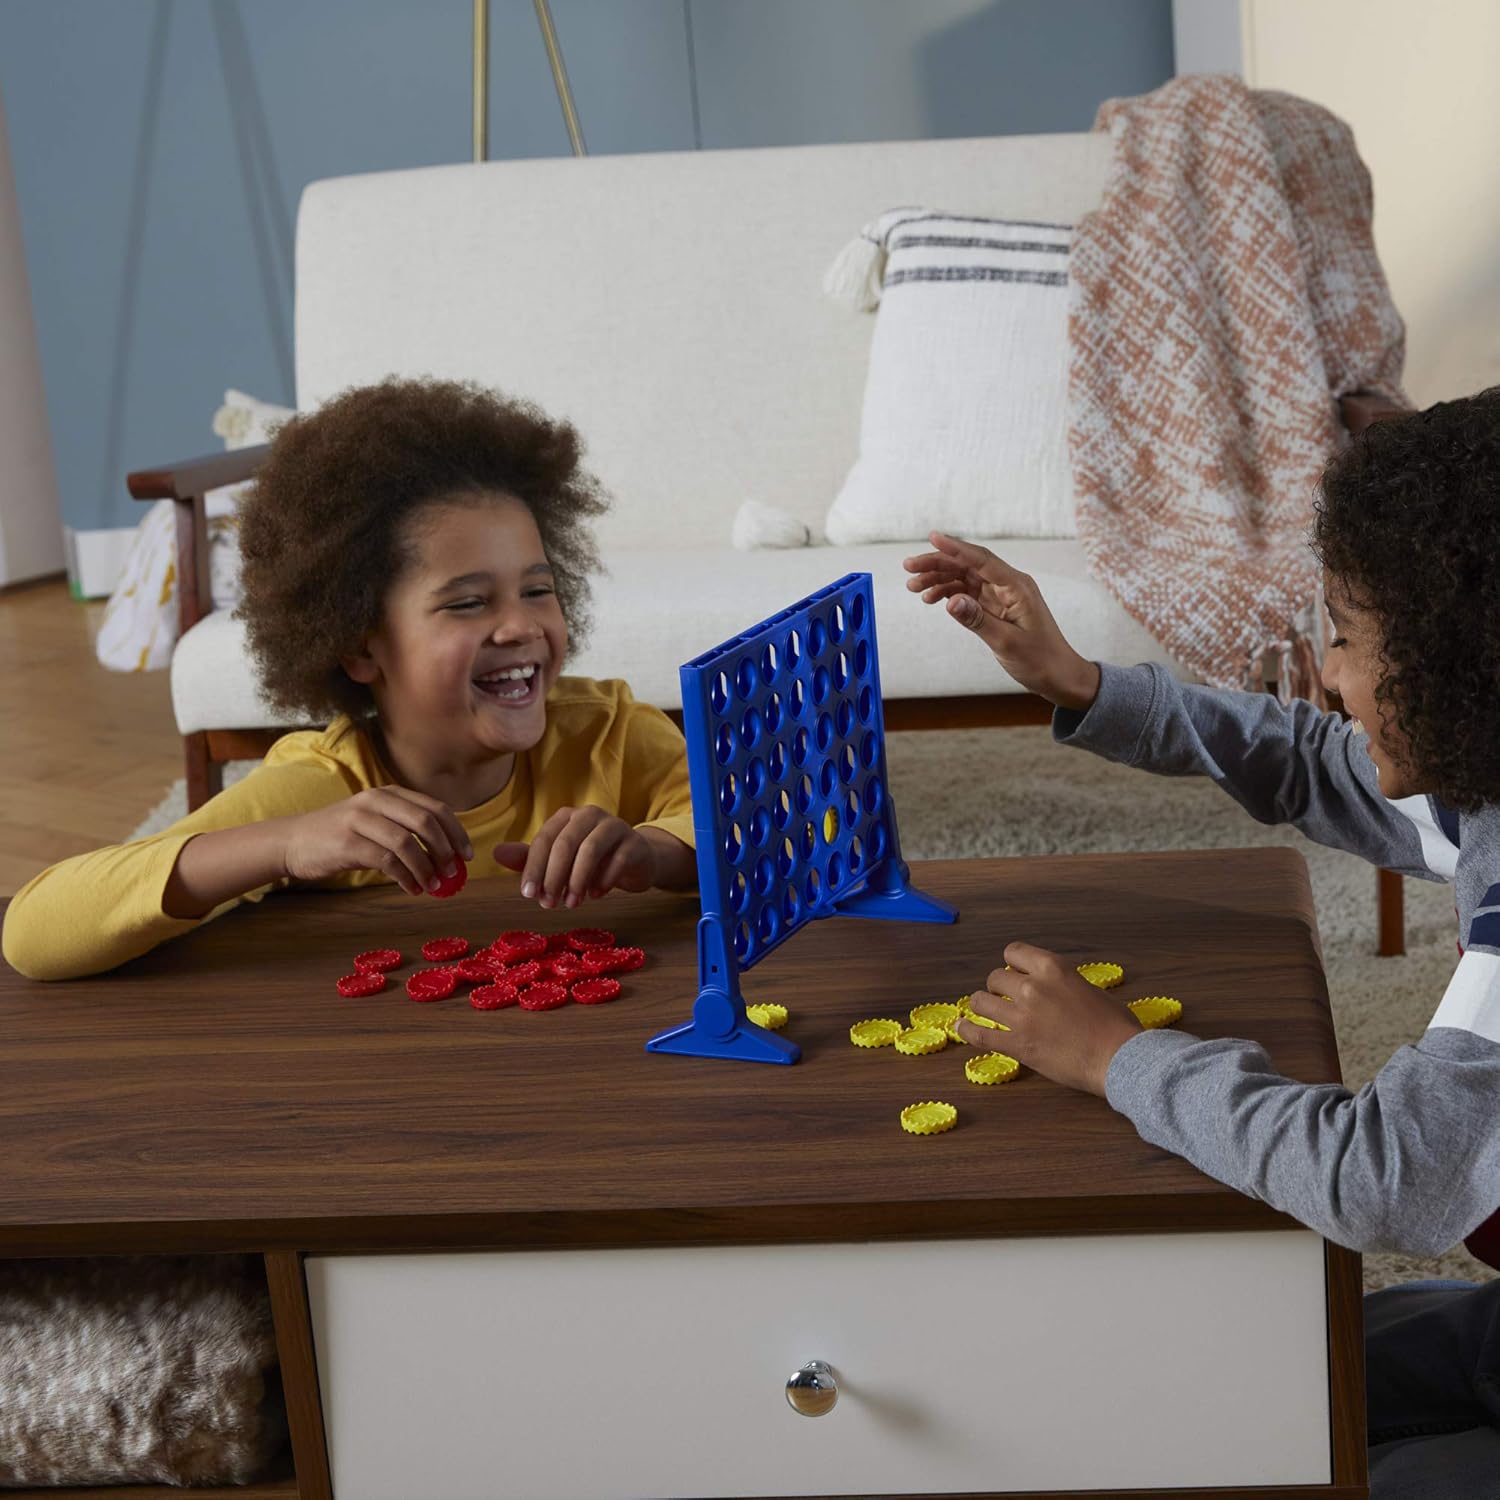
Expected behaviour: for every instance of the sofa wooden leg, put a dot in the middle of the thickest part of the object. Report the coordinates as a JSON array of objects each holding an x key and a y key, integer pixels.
[
  {"x": 205, "y": 776},
  {"x": 1388, "y": 892}
]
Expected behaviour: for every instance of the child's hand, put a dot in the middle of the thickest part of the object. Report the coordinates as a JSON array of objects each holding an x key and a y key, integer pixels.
[
  {"x": 580, "y": 853},
  {"x": 1005, "y": 609},
  {"x": 413, "y": 838},
  {"x": 1059, "y": 1023}
]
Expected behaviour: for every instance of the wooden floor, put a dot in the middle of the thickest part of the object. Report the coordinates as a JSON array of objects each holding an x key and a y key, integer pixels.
[{"x": 84, "y": 752}]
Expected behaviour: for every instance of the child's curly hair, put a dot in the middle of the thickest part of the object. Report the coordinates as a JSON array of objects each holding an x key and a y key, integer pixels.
[
  {"x": 324, "y": 530},
  {"x": 1409, "y": 523}
]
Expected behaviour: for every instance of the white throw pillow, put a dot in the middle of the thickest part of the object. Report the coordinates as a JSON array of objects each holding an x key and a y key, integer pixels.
[{"x": 965, "y": 424}]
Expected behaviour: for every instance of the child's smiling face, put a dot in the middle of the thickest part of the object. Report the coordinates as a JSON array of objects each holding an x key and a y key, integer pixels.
[
  {"x": 471, "y": 639},
  {"x": 1353, "y": 669}
]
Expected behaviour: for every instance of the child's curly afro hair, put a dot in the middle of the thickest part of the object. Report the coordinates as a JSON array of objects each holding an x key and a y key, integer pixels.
[
  {"x": 324, "y": 530},
  {"x": 1409, "y": 524}
]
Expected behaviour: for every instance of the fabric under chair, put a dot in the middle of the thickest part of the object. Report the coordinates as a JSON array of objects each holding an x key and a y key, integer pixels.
[{"x": 137, "y": 1369}]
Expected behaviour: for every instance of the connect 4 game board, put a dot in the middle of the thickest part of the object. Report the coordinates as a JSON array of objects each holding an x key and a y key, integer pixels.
[{"x": 792, "y": 812}]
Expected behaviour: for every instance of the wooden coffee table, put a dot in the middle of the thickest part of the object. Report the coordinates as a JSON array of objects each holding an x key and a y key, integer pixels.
[{"x": 1037, "y": 1302}]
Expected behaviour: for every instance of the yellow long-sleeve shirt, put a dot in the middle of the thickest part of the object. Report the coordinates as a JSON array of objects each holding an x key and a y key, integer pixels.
[{"x": 94, "y": 911}]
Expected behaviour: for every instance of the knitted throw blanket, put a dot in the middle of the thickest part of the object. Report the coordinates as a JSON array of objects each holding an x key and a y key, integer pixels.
[{"x": 1224, "y": 295}]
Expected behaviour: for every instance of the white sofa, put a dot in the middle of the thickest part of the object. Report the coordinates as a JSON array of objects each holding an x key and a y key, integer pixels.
[{"x": 671, "y": 306}]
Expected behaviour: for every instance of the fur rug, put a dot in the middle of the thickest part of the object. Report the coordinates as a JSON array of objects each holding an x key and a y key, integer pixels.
[
  {"x": 994, "y": 792},
  {"x": 152, "y": 1369}
]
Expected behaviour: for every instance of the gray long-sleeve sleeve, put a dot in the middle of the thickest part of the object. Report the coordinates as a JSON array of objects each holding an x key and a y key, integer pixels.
[
  {"x": 1282, "y": 762},
  {"x": 1412, "y": 1160}
]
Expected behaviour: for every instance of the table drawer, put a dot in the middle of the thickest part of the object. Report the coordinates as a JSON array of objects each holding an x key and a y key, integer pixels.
[{"x": 1117, "y": 1361}]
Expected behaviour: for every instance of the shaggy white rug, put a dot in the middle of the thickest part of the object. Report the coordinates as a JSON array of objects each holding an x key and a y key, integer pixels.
[{"x": 995, "y": 792}]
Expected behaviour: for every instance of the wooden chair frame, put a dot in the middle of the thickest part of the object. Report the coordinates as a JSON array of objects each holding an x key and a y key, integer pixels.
[{"x": 206, "y": 751}]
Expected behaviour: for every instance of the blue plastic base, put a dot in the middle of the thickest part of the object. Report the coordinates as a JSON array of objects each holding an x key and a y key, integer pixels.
[
  {"x": 889, "y": 895},
  {"x": 909, "y": 905},
  {"x": 746, "y": 1043},
  {"x": 719, "y": 1027}
]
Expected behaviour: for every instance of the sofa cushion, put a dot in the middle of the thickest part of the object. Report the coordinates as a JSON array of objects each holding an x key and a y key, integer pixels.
[
  {"x": 669, "y": 304},
  {"x": 654, "y": 611}
]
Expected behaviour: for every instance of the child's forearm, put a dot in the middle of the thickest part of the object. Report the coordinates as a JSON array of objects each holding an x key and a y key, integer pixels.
[
  {"x": 676, "y": 866},
  {"x": 213, "y": 868},
  {"x": 1077, "y": 686}
]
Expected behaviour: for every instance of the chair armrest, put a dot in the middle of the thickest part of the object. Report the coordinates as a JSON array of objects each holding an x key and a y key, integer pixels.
[
  {"x": 186, "y": 483},
  {"x": 1364, "y": 408}
]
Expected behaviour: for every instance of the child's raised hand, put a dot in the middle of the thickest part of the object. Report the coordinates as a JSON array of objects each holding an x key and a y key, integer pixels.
[
  {"x": 1057, "y": 1022},
  {"x": 578, "y": 853},
  {"x": 1005, "y": 609},
  {"x": 413, "y": 838}
]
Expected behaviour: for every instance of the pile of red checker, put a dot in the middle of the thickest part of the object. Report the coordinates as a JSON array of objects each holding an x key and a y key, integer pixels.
[{"x": 519, "y": 968}]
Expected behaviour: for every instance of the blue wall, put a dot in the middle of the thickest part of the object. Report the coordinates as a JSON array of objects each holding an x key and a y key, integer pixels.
[{"x": 158, "y": 220}]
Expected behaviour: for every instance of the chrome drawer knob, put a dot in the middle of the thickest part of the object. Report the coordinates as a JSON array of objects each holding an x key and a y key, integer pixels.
[{"x": 812, "y": 1390}]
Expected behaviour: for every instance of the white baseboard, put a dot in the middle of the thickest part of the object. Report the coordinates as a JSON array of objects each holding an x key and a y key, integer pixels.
[{"x": 95, "y": 558}]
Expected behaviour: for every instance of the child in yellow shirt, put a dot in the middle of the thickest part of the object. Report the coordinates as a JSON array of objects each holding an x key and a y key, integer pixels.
[{"x": 415, "y": 557}]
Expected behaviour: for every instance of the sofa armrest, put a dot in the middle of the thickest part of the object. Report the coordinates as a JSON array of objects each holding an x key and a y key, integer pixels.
[{"x": 186, "y": 483}]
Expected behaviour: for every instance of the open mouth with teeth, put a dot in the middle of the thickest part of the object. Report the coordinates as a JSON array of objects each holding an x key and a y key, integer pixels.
[{"x": 515, "y": 687}]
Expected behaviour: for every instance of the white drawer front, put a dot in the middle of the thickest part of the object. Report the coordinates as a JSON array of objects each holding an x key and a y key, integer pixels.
[{"x": 1078, "y": 1363}]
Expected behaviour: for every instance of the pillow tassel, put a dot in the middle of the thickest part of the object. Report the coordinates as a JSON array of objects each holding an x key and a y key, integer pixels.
[
  {"x": 757, "y": 525},
  {"x": 856, "y": 274}
]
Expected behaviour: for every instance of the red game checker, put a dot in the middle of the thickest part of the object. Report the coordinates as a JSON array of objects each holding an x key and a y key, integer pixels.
[
  {"x": 475, "y": 970},
  {"x": 493, "y": 996},
  {"x": 519, "y": 943},
  {"x": 525, "y": 973},
  {"x": 565, "y": 966},
  {"x": 613, "y": 960},
  {"x": 582, "y": 938},
  {"x": 543, "y": 997},
  {"x": 558, "y": 943},
  {"x": 451, "y": 885},
  {"x": 445, "y": 949},
  {"x": 431, "y": 984},
  {"x": 596, "y": 991},
  {"x": 378, "y": 959},
  {"x": 361, "y": 982}
]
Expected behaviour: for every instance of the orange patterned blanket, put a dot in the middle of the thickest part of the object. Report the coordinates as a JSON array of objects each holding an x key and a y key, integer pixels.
[{"x": 1225, "y": 294}]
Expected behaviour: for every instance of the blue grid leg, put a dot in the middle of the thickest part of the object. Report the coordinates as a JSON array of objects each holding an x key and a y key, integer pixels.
[
  {"x": 889, "y": 894},
  {"x": 719, "y": 1027}
]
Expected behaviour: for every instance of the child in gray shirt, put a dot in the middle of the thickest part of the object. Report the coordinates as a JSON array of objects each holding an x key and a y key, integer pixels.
[{"x": 1406, "y": 528}]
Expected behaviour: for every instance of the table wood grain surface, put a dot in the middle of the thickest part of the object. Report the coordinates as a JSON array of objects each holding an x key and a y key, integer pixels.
[{"x": 219, "y": 1094}]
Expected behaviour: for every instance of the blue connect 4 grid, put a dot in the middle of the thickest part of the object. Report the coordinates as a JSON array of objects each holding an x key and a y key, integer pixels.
[{"x": 792, "y": 812}]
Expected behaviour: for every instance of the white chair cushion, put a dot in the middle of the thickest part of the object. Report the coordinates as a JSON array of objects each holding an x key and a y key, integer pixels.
[{"x": 653, "y": 613}]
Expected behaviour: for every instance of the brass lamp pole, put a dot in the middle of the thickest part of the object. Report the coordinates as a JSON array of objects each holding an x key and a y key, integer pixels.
[{"x": 482, "y": 80}]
